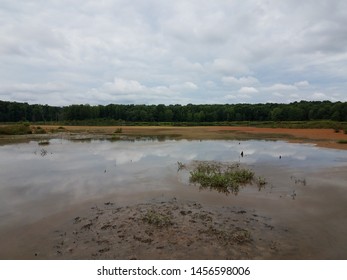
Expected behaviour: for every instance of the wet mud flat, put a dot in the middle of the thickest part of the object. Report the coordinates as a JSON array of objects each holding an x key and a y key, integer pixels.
[{"x": 171, "y": 229}]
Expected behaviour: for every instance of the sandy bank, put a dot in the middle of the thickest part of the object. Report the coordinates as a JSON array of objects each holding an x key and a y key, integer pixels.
[{"x": 321, "y": 137}]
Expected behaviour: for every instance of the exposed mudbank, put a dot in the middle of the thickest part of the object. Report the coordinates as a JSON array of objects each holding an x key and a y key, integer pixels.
[{"x": 171, "y": 230}]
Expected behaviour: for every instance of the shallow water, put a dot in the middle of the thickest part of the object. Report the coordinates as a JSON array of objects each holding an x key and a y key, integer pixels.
[
  {"x": 38, "y": 179},
  {"x": 306, "y": 185}
]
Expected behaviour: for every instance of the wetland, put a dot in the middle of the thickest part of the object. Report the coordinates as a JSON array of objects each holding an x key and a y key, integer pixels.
[{"x": 134, "y": 198}]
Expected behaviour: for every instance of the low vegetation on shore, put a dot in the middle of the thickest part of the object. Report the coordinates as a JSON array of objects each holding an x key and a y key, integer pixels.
[{"x": 15, "y": 129}]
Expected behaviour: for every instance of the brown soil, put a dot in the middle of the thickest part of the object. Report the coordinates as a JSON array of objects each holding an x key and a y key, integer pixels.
[
  {"x": 177, "y": 230},
  {"x": 190, "y": 231}
]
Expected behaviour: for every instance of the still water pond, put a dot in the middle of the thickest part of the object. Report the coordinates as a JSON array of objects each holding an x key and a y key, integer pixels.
[{"x": 37, "y": 180}]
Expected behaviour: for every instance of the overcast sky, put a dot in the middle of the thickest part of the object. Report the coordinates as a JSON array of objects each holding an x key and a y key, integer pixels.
[{"x": 62, "y": 52}]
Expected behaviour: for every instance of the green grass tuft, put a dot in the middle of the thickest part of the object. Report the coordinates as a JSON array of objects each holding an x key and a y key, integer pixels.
[
  {"x": 160, "y": 220},
  {"x": 225, "y": 179}
]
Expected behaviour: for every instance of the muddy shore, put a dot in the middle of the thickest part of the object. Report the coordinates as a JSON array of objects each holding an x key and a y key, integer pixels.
[
  {"x": 327, "y": 138},
  {"x": 177, "y": 229},
  {"x": 171, "y": 230},
  {"x": 321, "y": 137}
]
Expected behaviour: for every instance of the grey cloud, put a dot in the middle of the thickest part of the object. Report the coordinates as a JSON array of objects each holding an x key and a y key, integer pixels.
[
  {"x": 172, "y": 51},
  {"x": 131, "y": 91},
  {"x": 244, "y": 80}
]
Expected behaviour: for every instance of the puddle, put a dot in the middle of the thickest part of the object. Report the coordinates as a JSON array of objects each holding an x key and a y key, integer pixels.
[{"x": 41, "y": 180}]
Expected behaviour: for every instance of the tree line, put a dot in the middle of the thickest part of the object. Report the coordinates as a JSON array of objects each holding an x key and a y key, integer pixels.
[{"x": 296, "y": 111}]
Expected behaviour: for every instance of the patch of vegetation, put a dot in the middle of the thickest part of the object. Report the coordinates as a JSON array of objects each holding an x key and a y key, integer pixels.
[
  {"x": 160, "y": 220},
  {"x": 342, "y": 141},
  {"x": 115, "y": 138},
  {"x": 223, "y": 178},
  {"x": 15, "y": 129},
  {"x": 119, "y": 130},
  {"x": 82, "y": 139},
  {"x": 239, "y": 235},
  {"x": 261, "y": 182},
  {"x": 203, "y": 216},
  {"x": 57, "y": 130},
  {"x": 39, "y": 130},
  {"x": 44, "y": 142}
]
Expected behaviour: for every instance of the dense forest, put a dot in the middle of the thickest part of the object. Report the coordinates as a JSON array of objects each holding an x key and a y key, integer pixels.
[{"x": 297, "y": 111}]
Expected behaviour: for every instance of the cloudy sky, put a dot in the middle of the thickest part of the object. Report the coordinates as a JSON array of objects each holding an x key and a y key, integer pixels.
[{"x": 62, "y": 52}]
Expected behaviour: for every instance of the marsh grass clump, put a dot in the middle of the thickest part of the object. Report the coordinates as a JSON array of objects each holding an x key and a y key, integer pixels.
[
  {"x": 115, "y": 138},
  {"x": 223, "y": 178},
  {"x": 43, "y": 142},
  {"x": 241, "y": 236},
  {"x": 238, "y": 235},
  {"x": 15, "y": 129},
  {"x": 39, "y": 130},
  {"x": 119, "y": 130},
  {"x": 342, "y": 141},
  {"x": 261, "y": 182},
  {"x": 157, "y": 219},
  {"x": 60, "y": 129}
]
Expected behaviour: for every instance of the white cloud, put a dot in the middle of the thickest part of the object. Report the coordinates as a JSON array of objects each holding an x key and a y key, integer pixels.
[
  {"x": 230, "y": 97},
  {"x": 237, "y": 97},
  {"x": 124, "y": 86},
  {"x": 248, "y": 90},
  {"x": 190, "y": 86},
  {"x": 130, "y": 91},
  {"x": 281, "y": 87},
  {"x": 302, "y": 84},
  {"x": 247, "y": 80},
  {"x": 318, "y": 96}
]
